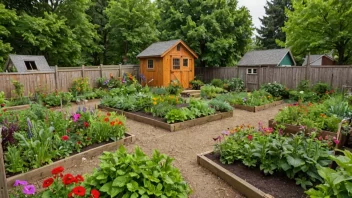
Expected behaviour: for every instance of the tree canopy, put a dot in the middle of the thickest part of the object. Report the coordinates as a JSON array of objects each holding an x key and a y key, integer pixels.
[
  {"x": 272, "y": 23},
  {"x": 217, "y": 30},
  {"x": 319, "y": 26},
  {"x": 7, "y": 18}
]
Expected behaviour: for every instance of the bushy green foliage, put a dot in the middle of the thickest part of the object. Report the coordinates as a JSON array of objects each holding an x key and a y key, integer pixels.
[
  {"x": 220, "y": 105},
  {"x": 217, "y": 83},
  {"x": 304, "y": 85},
  {"x": 176, "y": 115},
  {"x": 256, "y": 98},
  {"x": 175, "y": 88},
  {"x": 159, "y": 91},
  {"x": 321, "y": 88},
  {"x": 304, "y": 96},
  {"x": 276, "y": 90},
  {"x": 133, "y": 102},
  {"x": 264, "y": 149},
  {"x": 136, "y": 175},
  {"x": 54, "y": 99},
  {"x": 161, "y": 109},
  {"x": 209, "y": 91},
  {"x": 196, "y": 84},
  {"x": 235, "y": 84},
  {"x": 336, "y": 183}
]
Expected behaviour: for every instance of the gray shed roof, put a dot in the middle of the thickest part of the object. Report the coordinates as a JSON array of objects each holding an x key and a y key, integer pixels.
[
  {"x": 264, "y": 57},
  {"x": 18, "y": 61},
  {"x": 158, "y": 49},
  {"x": 316, "y": 59}
]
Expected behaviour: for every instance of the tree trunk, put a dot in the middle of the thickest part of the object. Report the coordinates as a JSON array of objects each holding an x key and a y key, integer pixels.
[{"x": 341, "y": 52}]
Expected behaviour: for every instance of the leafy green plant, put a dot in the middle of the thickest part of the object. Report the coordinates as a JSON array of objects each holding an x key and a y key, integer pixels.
[
  {"x": 235, "y": 84},
  {"x": 321, "y": 88},
  {"x": 136, "y": 175},
  {"x": 220, "y": 105},
  {"x": 337, "y": 183},
  {"x": 217, "y": 83},
  {"x": 276, "y": 90},
  {"x": 80, "y": 86},
  {"x": 176, "y": 115},
  {"x": 2, "y": 99},
  {"x": 210, "y": 91},
  {"x": 54, "y": 99},
  {"x": 304, "y": 85},
  {"x": 273, "y": 153},
  {"x": 200, "y": 108},
  {"x": 304, "y": 96},
  {"x": 196, "y": 84},
  {"x": 175, "y": 87},
  {"x": 160, "y": 91},
  {"x": 161, "y": 109},
  {"x": 19, "y": 88}
]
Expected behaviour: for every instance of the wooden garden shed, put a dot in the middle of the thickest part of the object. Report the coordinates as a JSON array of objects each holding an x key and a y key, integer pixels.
[{"x": 166, "y": 61}]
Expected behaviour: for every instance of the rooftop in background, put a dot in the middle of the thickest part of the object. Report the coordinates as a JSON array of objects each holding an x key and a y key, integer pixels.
[
  {"x": 321, "y": 59},
  {"x": 26, "y": 63},
  {"x": 273, "y": 57}
]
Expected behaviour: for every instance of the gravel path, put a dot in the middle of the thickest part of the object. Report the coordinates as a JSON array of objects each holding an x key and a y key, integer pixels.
[{"x": 184, "y": 146}]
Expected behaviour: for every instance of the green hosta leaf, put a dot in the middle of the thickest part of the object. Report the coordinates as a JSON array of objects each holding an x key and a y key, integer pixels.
[
  {"x": 115, "y": 191},
  {"x": 284, "y": 165},
  {"x": 106, "y": 187},
  {"x": 127, "y": 195},
  {"x": 168, "y": 180},
  {"x": 348, "y": 186},
  {"x": 120, "y": 181},
  {"x": 133, "y": 186},
  {"x": 101, "y": 176},
  {"x": 144, "y": 196},
  {"x": 295, "y": 162},
  {"x": 120, "y": 172},
  {"x": 134, "y": 195}
]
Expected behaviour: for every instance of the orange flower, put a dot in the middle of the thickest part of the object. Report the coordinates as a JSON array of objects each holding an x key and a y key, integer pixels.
[
  {"x": 106, "y": 119},
  {"x": 112, "y": 123}
]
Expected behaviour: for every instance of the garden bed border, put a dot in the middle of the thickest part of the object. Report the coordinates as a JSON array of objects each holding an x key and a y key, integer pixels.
[
  {"x": 170, "y": 127},
  {"x": 259, "y": 108},
  {"x": 233, "y": 180},
  {"x": 68, "y": 162}
]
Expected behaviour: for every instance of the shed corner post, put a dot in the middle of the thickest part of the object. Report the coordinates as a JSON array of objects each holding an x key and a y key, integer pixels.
[
  {"x": 120, "y": 70},
  {"x": 56, "y": 77},
  {"x": 83, "y": 71},
  {"x": 4, "y": 193},
  {"x": 101, "y": 70}
]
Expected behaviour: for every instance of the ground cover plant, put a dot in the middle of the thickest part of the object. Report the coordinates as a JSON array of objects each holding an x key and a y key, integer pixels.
[
  {"x": 37, "y": 136},
  {"x": 277, "y": 90},
  {"x": 317, "y": 116},
  {"x": 255, "y": 98},
  {"x": 296, "y": 156}
]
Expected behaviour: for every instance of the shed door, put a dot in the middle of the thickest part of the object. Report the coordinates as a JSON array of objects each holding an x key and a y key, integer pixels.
[
  {"x": 252, "y": 79},
  {"x": 180, "y": 70}
]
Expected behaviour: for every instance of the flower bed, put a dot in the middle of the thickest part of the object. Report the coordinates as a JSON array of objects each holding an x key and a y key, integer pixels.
[
  {"x": 259, "y": 108},
  {"x": 148, "y": 119},
  {"x": 267, "y": 151},
  {"x": 37, "y": 136}
]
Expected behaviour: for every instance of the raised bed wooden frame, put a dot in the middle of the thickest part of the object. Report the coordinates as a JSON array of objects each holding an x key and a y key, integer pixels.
[
  {"x": 259, "y": 108},
  {"x": 233, "y": 180},
  {"x": 170, "y": 127},
  {"x": 45, "y": 171}
]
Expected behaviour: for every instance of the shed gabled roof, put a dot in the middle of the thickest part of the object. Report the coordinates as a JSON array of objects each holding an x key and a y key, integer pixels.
[
  {"x": 159, "y": 49},
  {"x": 18, "y": 61},
  {"x": 316, "y": 59},
  {"x": 265, "y": 57}
]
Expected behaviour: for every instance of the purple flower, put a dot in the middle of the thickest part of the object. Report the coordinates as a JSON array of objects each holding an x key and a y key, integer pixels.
[
  {"x": 76, "y": 117},
  {"x": 84, "y": 109},
  {"x": 244, "y": 99},
  {"x": 20, "y": 183},
  {"x": 28, "y": 190},
  {"x": 106, "y": 82},
  {"x": 225, "y": 132}
]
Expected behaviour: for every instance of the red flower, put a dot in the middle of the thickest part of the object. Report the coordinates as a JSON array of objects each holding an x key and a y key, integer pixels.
[
  {"x": 79, "y": 178},
  {"x": 86, "y": 124},
  {"x": 108, "y": 114},
  {"x": 48, "y": 182},
  {"x": 70, "y": 194},
  {"x": 68, "y": 179},
  {"x": 88, "y": 138},
  {"x": 65, "y": 137},
  {"x": 79, "y": 191},
  {"x": 120, "y": 123},
  {"x": 106, "y": 119},
  {"x": 78, "y": 142},
  {"x": 2, "y": 105},
  {"x": 95, "y": 193},
  {"x": 5, "y": 110},
  {"x": 250, "y": 137},
  {"x": 112, "y": 123},
  {"x": 57, "y": 170}
]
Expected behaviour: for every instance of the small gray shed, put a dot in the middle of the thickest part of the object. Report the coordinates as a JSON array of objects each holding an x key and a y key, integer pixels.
[{"x": 26, "y": 63}]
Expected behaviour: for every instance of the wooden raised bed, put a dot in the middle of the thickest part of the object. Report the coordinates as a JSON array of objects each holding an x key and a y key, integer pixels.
[
  {"x": 259, "y": 108},
  {"x": 19, "y": 107},
  {"x": 170, "y": 127},
  {"x": 233, "y": 180},
  {"x": 45, "y": 171},
  {"x": 293, "y": 129}
]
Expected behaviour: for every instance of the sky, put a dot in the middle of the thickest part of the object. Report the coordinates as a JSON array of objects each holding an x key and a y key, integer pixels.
[{"x": 256, "y": 8}]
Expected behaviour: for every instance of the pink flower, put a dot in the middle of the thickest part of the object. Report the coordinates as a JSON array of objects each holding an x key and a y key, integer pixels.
[
  {"x": 76, "y": 117},
  {"x": 320, "y": 138},
  {"x": 250, "y": 137},
  {"x": 336, "y": 141},
  {"x": 29, "y": 190}
]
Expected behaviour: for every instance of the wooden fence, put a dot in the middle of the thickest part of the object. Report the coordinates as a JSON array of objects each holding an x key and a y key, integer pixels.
[
  {"x": 336, "y": 76},
  {"x": 60, "y": 78}
]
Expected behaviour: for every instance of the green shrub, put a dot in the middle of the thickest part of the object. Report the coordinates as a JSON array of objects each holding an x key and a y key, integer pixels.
[
  {"x": 200, "y": 108},
  {"x": 304, "y": 85},
  {"x": 161, "y": 109},
  {"x": 235, "y": 84},
  {"x": 276, "y": 89},
  {"x": 175, "y": 88},
  {"x": 321, "y": 88},
  {"x": 136, "y": 175},
  {"x": 209, "y": 91},
  {"x": 160, "y": 91},
  {"x": 220, "y": 105},
  {"x": 53, "y": 99},
  {"x": 196, "y": 84},
  {"x": 217, "y": 83},
  {"x": 304, "y": 96}
]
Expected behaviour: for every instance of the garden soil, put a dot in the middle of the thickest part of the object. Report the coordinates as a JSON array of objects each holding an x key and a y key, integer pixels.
[{"x": 184, "y": 146}]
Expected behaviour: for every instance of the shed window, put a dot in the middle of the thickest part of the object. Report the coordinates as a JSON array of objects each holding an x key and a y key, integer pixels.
[
  {"x": 185, "y": 62},
  {"x": 178, "y": 47},
  {"x": 176, "y": 63},
  {"x": 251, "y": 71},
  {"x": 30, "y": 65},
  {"x": 150, "y": 64}
]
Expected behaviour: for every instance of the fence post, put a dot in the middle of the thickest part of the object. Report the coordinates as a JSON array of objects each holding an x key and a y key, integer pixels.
[
  {"x": 56, "y": 77},
  {"x": 82, "y": 71},
  {"x": 308, "y": 67},
  {"x": 101, "y": 70},
  {"x": 4, "y": 193},
  {"x": 120, "y": 70}
]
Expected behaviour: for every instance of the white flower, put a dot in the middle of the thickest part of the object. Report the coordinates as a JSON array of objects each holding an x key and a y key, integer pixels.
[{"x": 301, "y": 92}]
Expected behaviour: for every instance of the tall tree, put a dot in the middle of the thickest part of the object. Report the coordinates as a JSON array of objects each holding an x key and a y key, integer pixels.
[
  {"x": 272, "y": 23},
  {"x": 318, "y": 26},
  {"x": 133, "y": 28},
  {"x": 218, "y": 30},
  {"x": 7, "y": 19}
]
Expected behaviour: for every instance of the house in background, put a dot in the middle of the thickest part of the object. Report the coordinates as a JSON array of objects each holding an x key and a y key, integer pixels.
[
  {"x": 26, "y": 63},
  {"x": 317, "y": 60},
  {"x": 165, "y": 61}
]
